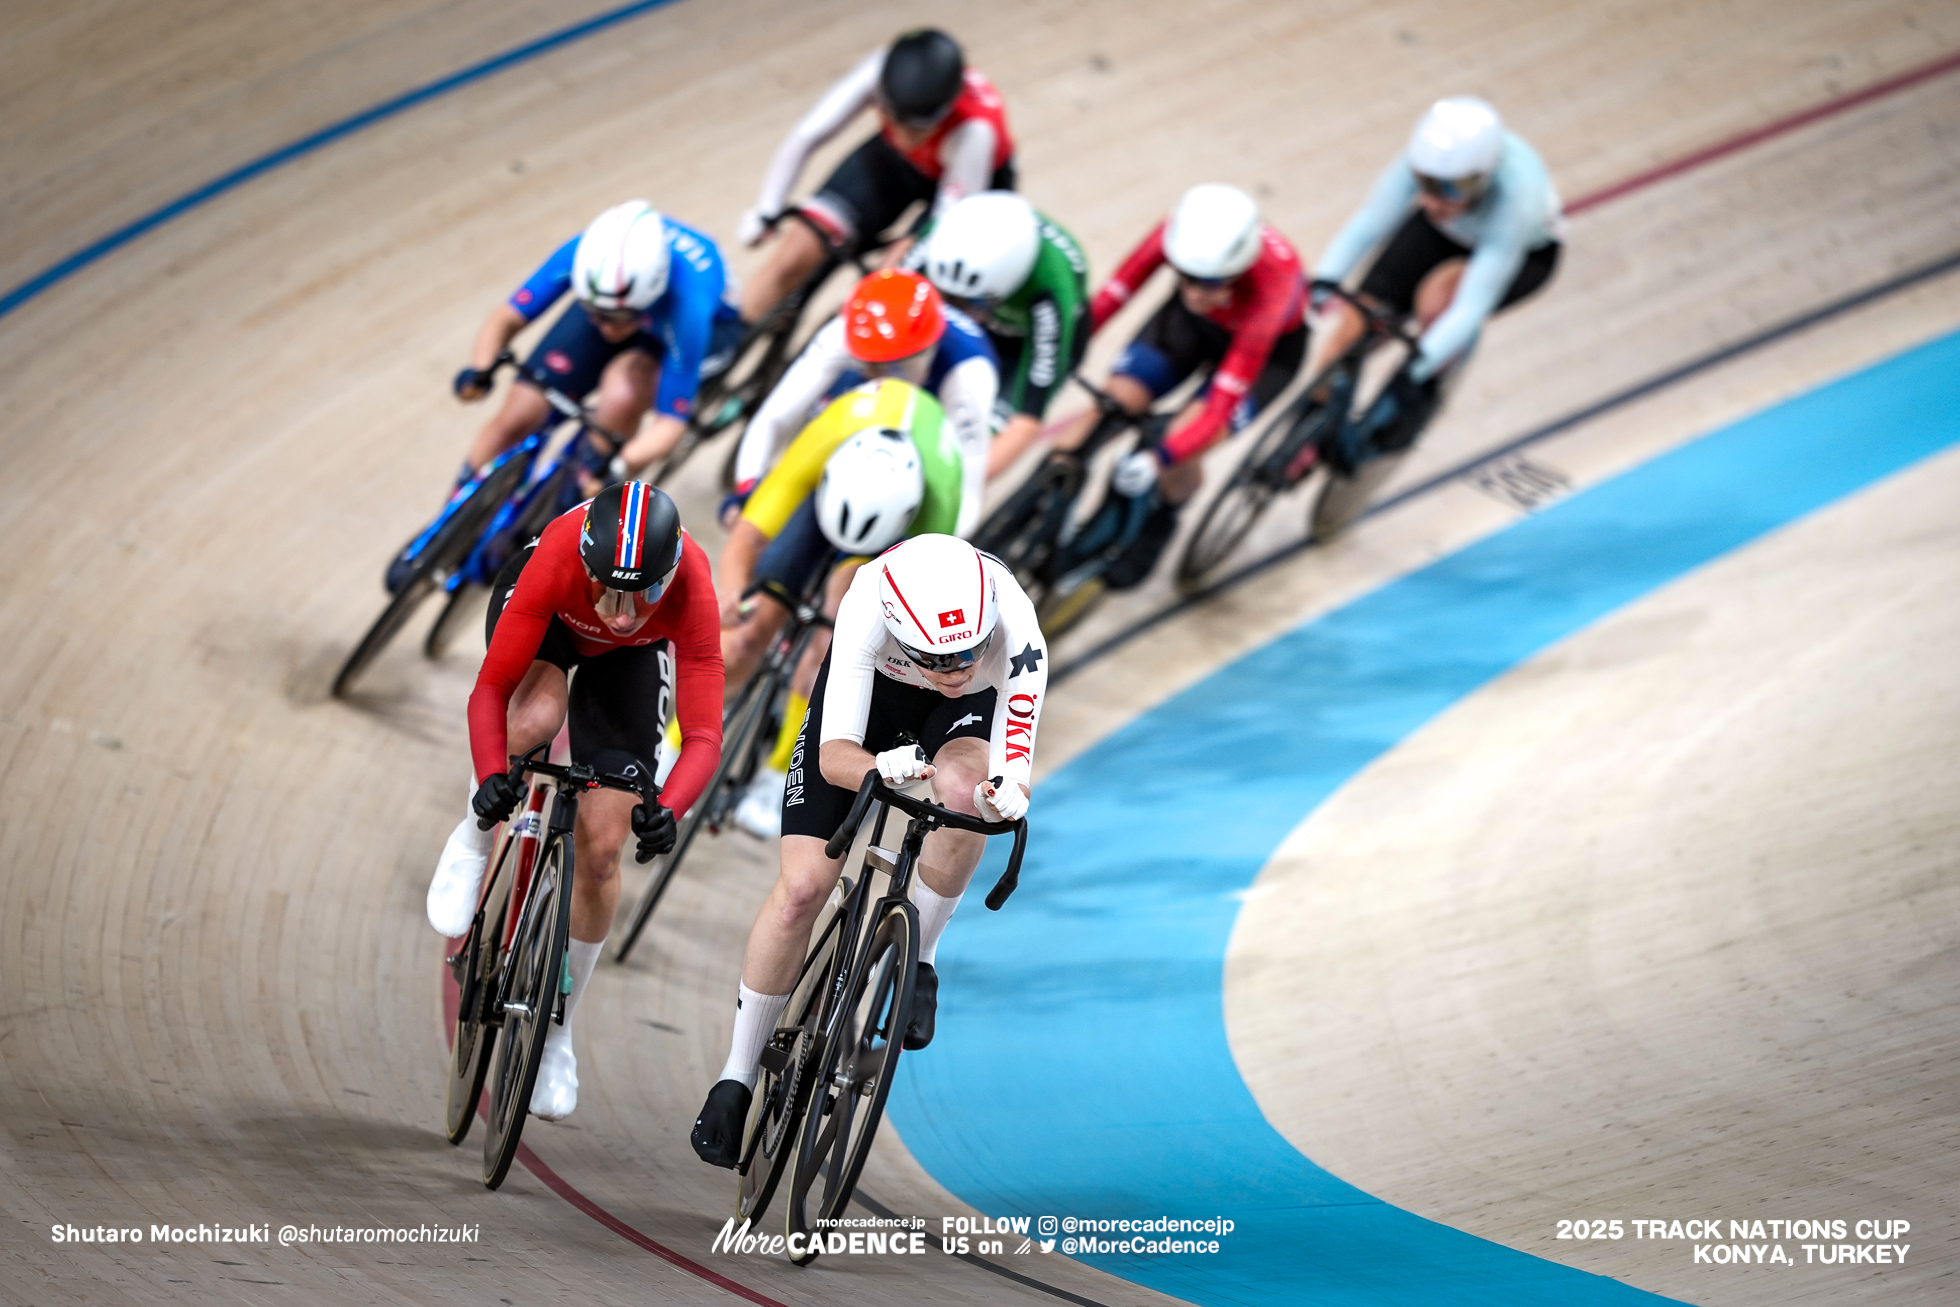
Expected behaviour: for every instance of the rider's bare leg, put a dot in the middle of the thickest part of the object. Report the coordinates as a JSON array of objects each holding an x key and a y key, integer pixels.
[
  {"x": 742, "y": 646},
  {"x": 1014, "y": 439},
  {"x": 524, "y": 411},
  {"x": 626, "y": 392},
  {"x": 1334, "y": 331},
  {"x": 797, "y": 252},
  {"x": 1129, "y": 393},
  {"x": 1438, "y": 288}
]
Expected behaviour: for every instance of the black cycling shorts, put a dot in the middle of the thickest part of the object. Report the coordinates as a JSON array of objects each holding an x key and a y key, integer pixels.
[
  {"x": 1418, "y": 247},
  {"x": 801, "y": 555},
  {"x": 813, "y": 806},
  {"x": 874, "y": 185},
  {"x": 619, "y": 699},
  {"x": 1177, "y": 342}
]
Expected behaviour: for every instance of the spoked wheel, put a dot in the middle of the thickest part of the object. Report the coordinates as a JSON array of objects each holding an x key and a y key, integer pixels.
[
  {"x": 1023, "y": 531},
  {"x": 792, "y": 1054},
  {"x": 1343, "y": 499},
  {"x": 475, "y": 967},
  {"x": 535, "y": 970},
  {"x": 1284, "y": 453},
  {"x": 737, "y": 744},
  {"x": 847, "y": 1097},
  {"x": 452, "y": 620}
]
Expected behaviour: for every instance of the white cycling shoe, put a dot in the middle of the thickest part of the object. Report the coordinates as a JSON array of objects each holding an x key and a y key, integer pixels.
[
  {"x": 760, "y": 812},
  {"x": 556, "y": 1094},
  {"x": 459, "y": 875}
]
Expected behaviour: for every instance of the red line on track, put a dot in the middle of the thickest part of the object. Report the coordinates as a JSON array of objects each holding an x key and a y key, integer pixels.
[
  {"x": 1592, "y": 200},
  {"x": 564, "y": 1188},
  {"x": 1687, "y": 163}
]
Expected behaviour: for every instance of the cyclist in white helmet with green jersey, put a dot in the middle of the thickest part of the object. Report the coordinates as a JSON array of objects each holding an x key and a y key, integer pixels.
[{"x": 1025, "y": 280}]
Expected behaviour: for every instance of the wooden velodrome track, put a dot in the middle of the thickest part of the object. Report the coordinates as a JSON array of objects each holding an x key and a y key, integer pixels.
[{"x": 218, "y": 997}]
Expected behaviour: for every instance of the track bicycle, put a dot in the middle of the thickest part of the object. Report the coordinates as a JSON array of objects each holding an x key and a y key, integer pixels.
[
  {"x": 1308, "y": 435},
  {"x": 511, "y": 968},
  {"x": 749, "y": 728},
  {"x": 1059, "y": 557},
  {"x": 488, "y": 519},
  {"x": 829, "y": 1064}
]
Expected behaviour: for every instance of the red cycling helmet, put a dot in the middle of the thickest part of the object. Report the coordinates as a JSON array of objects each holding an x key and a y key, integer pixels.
[{"x": 892, "y": 315}]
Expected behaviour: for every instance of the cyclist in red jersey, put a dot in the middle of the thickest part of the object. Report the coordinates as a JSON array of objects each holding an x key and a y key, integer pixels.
[
  {"x": 1239, "y": 310},
  {"x": 616, "y": 590},
  {"x": 943, "y": 135}
]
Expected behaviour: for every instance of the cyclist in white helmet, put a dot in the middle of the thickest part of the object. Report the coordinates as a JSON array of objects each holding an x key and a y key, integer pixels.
[
  {"x": 1236, "y": 313},
  {"x": 878, "y": 464},
  {"x": 1025, "y": 280},
  {"x": 1468, "y": 223},
  {"x": 649, "y": 316},
  {"x": 937, "y": 671}
]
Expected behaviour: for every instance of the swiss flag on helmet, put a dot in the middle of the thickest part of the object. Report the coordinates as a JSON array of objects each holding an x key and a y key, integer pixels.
[{"x": 952, "y": 617}]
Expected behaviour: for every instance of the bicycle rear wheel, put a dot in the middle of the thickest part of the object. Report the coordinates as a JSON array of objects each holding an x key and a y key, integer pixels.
[
  {"x": 476, "y": 975},
  {"x": 784, "y": 1089},
  {"x": 535, "y": 969},
  {"x": 737, "y": 743},
  {"x": 847, "y": 1097},
  {"x": 1343, "y": 499}
]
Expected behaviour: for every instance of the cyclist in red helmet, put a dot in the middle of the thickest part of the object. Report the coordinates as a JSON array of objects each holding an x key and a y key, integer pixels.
[
  {"x": 594, "y": 625},
  {"x": 942, "y": 134}
]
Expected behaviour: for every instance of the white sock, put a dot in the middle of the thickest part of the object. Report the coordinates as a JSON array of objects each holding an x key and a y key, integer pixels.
[
  {"x": 935, "y": 910},
  {"x": 584, "y": 955},
  {"x": 473, "y": 837},
  {"x": 755, "y": 1021}
]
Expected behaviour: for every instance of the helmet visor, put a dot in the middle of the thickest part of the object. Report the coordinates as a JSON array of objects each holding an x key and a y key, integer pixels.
[
  {"x": 947, "y": 662},
  {"x": 627, "y": 603}
]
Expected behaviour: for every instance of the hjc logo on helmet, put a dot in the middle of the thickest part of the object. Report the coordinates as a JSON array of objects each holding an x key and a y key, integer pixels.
[{"x": 952, "y": 617}]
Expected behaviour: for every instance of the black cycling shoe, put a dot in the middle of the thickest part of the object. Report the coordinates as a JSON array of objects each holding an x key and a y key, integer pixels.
[
  {"x": 925, "y": 1007},
  {"x": 717, "y": 1133},
  {"x": 398, "y": 572},
  {"x": 1133, "y": 568}
]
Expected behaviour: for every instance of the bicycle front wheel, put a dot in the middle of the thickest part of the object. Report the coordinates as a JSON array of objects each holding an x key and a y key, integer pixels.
[
  {"x": 535, "y": 972},
  {"x": 476, "y": 976},
  {"x": 847, "y": 1098},
  {"x": 1254, "y": 484},
  {"x": 784, "y": 1088}
]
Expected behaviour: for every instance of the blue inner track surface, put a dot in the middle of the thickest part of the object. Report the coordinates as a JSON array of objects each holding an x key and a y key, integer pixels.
[{"x": 1082, "y": 1067}]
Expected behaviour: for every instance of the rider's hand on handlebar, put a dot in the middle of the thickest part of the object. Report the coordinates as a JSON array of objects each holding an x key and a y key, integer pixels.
[
  {"x": 472, "y": 383},
  {"x": 903, "y": 765},
  {"x": 495, "y": 799},
  {"x": 655, "y": 829},
  {"x": 751, "y": 227},
  {"x": 1000, "y": 800}
]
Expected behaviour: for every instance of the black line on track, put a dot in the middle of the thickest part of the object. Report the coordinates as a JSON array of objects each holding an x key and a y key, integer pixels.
[
  {"x": 1618, "y": 399},
  {"x": 877, "y": 1208}
]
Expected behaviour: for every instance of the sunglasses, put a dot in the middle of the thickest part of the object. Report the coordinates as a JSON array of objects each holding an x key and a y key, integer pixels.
[
  {"x": 947, "y": 662},
  {"x": 1454, "y": 190},
  {"x": 1204, "y": 283},
  {"x": 613, "y": 317}
]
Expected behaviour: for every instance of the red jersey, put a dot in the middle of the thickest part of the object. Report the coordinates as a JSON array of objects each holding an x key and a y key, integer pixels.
[
  {"x": 1268, "y": 300},
  {"x": 978, "y": 99},
  {"x": 555, "y": 584}
]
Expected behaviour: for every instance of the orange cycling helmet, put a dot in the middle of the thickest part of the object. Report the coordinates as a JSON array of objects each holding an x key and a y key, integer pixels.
[{"x": 892, "y": 315}]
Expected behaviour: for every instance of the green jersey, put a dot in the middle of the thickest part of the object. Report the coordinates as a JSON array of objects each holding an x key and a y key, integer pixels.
[{"x": 1040, "y": 330}]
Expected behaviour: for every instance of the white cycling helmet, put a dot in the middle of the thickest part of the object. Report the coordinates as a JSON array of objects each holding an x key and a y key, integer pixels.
[
  {"x": 871, "y": 487},
  {"x": 1213, "y": 233},
  {"x": 938, "y": 599},
  {"x": 985, "y": 246},
  {"x": 1459, "y": 138},
  {"x": 621, "y": 261}
]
